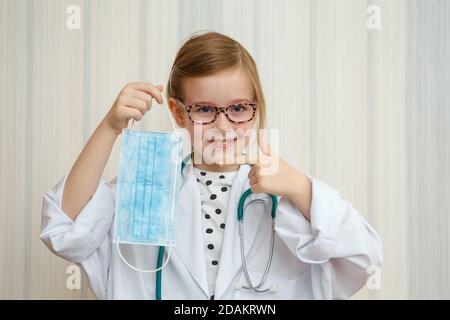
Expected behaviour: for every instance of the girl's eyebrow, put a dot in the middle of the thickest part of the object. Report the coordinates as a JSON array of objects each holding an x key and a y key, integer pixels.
[
  {"x": 214, "y": 104},
  {"x": 240, "y": 100},
  {"x": 203, "y": 102}
]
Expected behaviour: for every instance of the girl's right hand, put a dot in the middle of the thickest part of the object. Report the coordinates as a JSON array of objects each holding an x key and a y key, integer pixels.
[{"x": 133, "y": 101}]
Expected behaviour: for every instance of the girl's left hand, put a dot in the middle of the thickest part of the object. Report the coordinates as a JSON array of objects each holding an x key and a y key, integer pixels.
[{"x": 271, "y": 174}]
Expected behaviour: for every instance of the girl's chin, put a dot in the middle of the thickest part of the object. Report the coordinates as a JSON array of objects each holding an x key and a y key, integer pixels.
[
  {"x": 219, "y": 153},
  {"x": 221, "y": 160}
]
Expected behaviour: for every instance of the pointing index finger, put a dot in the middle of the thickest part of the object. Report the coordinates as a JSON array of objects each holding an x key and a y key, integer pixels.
[
  {"x": 257, "y": 151},
  {"x": 262, "y": 143}
]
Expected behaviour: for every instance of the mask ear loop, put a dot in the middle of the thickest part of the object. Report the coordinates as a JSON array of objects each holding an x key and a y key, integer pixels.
[
  {"x": 172, "y": 120},
  {"x": 138, "y": 269}
]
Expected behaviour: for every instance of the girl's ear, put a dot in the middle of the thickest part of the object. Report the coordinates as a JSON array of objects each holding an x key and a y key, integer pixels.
[{"x": 177, "y": 112}]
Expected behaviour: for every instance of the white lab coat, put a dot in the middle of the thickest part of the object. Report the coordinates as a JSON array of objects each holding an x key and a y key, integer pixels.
[{"x": 324, "y": 259}]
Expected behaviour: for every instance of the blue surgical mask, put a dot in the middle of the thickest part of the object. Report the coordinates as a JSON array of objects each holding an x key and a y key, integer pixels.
[{"x": 147, "y": 188}]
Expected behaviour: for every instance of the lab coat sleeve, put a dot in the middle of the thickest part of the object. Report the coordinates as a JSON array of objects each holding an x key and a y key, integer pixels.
[
  {"x": 338, "y": 243},
  {"x": 85, "y": 240}
]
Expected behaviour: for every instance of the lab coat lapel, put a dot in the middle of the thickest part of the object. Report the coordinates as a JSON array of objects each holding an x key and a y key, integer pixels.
[
  {"x": 190, "y": 244},
  {"x": 230, "y": 260}
]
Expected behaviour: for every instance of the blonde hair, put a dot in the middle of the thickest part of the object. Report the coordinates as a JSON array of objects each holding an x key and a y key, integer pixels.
[{"x": 211, "y": 52}]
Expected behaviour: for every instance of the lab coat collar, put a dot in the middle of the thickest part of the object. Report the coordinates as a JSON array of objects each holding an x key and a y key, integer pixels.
[{"x": 190, "y": 244}]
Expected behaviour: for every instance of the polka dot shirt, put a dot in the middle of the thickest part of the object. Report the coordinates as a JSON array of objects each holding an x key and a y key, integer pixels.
[{"x": 215, "y": 190}]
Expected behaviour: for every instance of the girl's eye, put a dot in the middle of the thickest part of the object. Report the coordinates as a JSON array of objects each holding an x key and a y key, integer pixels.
[
  {"x": 238, "y": 108},
  {"x": 204, "y": 109}
]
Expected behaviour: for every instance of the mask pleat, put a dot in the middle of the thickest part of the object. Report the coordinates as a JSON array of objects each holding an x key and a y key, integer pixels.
[{"x": 149, "y": 187}]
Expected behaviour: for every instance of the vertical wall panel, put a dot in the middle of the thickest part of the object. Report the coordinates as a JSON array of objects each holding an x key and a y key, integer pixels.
[
  {"x": 114, "y": 60},
  {"x": 340, "y": 135},
  {"x": 13, "y": 97},
  {"x": 199, "y": 15},
  {"x": 428, "y": 119},
  {"x": 389, "y": 215},
  {"x": 283, "y": 57},
  {"x": 340, "y": 126},
  {"x": 159, "y": 47},
  {"x": 56, "y": 130},
  {"x": 239, "y": 20}
]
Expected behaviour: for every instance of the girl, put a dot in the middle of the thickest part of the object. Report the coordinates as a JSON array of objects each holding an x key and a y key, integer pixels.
[{"x": 322, "y": 246}]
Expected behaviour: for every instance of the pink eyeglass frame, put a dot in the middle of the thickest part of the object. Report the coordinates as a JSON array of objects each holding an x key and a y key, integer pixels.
[{"x": 219, "y": 110}]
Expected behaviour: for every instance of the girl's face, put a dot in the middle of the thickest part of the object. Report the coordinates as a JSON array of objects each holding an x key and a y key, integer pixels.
[{"x": 220, "y": 142}]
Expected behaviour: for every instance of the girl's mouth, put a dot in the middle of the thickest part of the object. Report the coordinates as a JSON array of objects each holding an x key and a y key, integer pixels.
[{"x": 221, "y": 143}]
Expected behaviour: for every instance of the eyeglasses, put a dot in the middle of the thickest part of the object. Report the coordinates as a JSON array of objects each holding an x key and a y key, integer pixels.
[{"x": 206, "y": 114}]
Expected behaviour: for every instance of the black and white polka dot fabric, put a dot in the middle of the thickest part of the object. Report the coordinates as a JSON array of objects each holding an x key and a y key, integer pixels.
[{"x": 215, "y": 190}]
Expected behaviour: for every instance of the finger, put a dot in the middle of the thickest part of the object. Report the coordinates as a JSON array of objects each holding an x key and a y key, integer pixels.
[
  {"x": 133, "y": 113},
  {"x": 252, "y": 181},
  {"x": 135, "y": 103},
  {"x": 256, "y": 149},
  {"x": 256, "y": 187},
  {"x": 159, "y": 87},
  {"x": 251, "y": 148},
  {"x": 252, "y": 172},
  {"x": 148, "y": 88},
  {"x": 263, "y": 145},
  {"x": 141, "y": 96}
]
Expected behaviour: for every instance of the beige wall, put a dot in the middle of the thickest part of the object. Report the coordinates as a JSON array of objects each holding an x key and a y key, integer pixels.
[{"x": 341, "y": 93}]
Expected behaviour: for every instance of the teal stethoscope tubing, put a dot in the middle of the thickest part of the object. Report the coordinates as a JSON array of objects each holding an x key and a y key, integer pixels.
[{"x": 240, "y": 217}]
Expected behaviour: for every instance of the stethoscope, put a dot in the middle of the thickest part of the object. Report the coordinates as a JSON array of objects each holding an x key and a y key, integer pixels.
[{"x": 240, "y": 217}]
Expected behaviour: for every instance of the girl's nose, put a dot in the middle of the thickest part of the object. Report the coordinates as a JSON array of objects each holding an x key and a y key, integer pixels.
[{"x": 222, "y": 121}]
